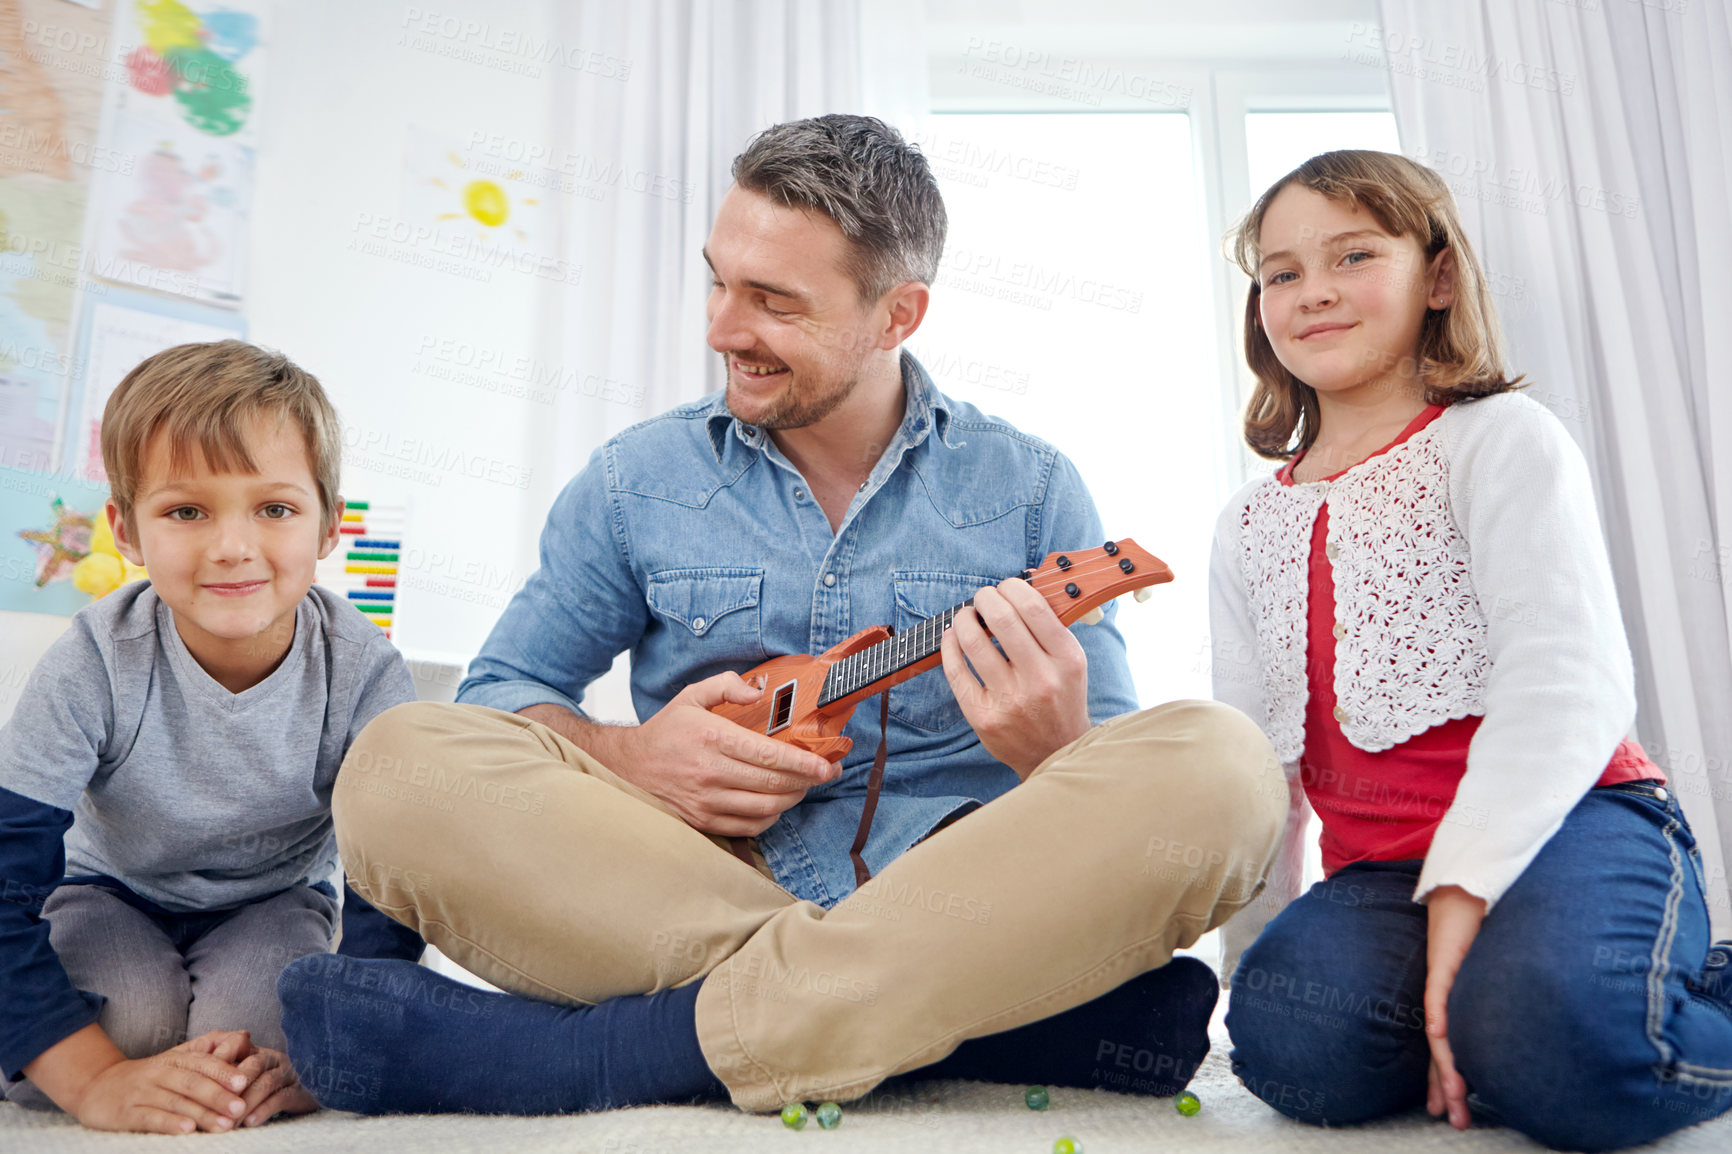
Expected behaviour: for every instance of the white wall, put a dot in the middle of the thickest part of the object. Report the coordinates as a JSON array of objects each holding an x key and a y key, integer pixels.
[
  {"x": 428, "y": 365},
  {"x": 346, "y": 84}
]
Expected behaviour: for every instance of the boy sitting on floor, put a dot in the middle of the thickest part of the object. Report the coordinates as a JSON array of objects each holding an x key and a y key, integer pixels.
[{"x": 165, "y": 782}]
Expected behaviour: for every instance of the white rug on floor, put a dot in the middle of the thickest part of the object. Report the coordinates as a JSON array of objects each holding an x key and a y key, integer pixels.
[{"x": 921, "y": 1118}]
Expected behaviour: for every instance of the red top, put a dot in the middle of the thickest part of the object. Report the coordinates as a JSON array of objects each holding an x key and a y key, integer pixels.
[{"x": 1386, "y": 806}]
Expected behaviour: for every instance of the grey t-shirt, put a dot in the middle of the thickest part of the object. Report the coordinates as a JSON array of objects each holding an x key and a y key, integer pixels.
[{"x": 195, "y": 797}]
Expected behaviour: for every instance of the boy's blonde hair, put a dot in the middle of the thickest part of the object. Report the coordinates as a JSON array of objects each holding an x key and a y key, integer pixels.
[
  {"x": 206, "y": 395},
  {"x": 1459, "y": 347}
]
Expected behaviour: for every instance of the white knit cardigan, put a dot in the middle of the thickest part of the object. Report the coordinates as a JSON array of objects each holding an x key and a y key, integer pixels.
[{"x": 1471, "y": 578}]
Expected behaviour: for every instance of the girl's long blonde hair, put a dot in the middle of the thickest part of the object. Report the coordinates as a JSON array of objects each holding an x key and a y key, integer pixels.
[{"x": 1459, "y": 346}]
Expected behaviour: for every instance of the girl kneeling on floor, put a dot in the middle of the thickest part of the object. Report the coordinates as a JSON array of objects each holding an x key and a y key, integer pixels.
[{"x": 1418, "y": 609}]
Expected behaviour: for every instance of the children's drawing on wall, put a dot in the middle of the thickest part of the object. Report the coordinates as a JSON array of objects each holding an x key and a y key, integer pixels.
[
  {"x": 475, "y": 205},
  {"x": 199, "y": 62},
  {"x": 178, "y": 222},
  {"x": 119, "y": 337},
  {"x": 187, "y": 81},
  {"x": 168, "y": 225}
]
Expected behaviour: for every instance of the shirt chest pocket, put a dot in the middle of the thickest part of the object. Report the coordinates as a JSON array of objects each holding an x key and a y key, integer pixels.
[
  {"x": 713, "y": 610},
  {"x": 926, "y": 701}
]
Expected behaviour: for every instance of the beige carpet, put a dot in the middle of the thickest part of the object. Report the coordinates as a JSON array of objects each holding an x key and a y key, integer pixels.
[{"x": 927, "y": 1118}]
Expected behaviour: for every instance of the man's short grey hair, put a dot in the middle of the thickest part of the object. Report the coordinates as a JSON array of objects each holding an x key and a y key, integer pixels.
[{"x": 859, "y": 172}]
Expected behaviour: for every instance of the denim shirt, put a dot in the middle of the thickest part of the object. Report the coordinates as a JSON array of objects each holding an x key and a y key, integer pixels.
[{"x": 693, "y": 542}]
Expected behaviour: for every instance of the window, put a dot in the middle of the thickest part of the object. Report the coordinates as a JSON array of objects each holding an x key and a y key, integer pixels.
[
  {"x": 1278, "y": 142},
  {"x": 1082, "y": 298},
  {"x": 1074, "y": 302},
  {"x": 1147, "y": 403}
]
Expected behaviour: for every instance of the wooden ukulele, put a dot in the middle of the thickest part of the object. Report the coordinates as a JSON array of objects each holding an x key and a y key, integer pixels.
[{"x": 808, "y": 700}]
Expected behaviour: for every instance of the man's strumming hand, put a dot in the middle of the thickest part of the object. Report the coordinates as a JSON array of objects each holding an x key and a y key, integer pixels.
[{"x": 720, "y": 777}]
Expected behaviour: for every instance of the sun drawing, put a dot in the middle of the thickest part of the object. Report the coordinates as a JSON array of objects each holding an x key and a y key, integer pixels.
[{"x": 486, "y": 202}]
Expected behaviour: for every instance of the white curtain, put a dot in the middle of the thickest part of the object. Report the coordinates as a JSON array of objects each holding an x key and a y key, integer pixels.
[
  {"x": 655, "y": 99},
  {"x": 702, "y": 78},
  {"x": 1588, "y": 146}
]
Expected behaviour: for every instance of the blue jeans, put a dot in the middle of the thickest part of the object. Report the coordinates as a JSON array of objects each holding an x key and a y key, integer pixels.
[{"x": 1582, "y": 1016}]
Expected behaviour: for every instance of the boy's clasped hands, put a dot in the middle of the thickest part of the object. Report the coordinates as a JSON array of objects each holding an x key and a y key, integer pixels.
[{"x": 214, "y": 1082}]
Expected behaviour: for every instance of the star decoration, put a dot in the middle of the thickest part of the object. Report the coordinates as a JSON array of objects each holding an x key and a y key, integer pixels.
[{"x": 60, "y": 548}]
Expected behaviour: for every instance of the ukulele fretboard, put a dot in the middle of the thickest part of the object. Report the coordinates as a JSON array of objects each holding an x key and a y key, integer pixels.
[{"x": 891, "y": 655}]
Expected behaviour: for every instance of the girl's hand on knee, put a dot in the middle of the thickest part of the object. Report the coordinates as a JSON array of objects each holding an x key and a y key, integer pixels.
[{"x": 1454, "y": 917}]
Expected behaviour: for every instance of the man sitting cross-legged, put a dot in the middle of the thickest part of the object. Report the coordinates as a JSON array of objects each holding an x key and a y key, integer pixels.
[{"x": 675, "y": 906}]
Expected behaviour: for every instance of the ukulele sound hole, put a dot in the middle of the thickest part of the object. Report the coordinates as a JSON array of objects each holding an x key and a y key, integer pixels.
[{"x": 782, "y": 707}]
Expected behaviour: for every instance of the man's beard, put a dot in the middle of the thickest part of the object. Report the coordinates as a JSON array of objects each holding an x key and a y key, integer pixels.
[{"x": 796, "y": 407}]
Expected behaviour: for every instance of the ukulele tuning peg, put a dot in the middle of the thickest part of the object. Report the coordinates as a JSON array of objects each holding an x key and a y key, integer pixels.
[
  {"x": 1143, "y": 594},
  {"x": 1093, "y": 616}
]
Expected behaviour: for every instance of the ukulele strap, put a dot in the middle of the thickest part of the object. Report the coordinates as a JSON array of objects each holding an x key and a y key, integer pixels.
[
  {"x": 862, "y": 875},
  {"x": 742, "y": 846}
]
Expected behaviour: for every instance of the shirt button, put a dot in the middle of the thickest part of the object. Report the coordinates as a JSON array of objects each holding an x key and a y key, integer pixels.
[
  {"x": 829, "y": 578},
  {"x": 1660, "y": 794},
  {"x": 1340, "y": 715},
  {"x": 862, "y": 487},
  {"x": 799, "y": 494},
  {"x": 1330, "y": 550},
  {"x": 1340, "y": 631},
  {"x": 697, "y": 623}
]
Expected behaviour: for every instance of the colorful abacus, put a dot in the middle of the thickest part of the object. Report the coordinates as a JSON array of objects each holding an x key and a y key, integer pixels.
[{"x": 363, "y": 566}]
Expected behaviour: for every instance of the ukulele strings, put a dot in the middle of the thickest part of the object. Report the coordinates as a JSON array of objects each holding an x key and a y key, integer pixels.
[{"x": 886, "y": 657}]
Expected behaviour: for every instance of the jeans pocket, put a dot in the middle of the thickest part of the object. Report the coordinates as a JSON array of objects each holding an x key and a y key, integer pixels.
[{"x": 926, "y": 702}]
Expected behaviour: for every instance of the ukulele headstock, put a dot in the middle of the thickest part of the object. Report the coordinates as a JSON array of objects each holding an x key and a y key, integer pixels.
[{"x": 1077, "y": 582}]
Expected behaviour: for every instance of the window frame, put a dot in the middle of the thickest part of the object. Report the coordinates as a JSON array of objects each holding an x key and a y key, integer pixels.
[{"x": 1220, "y": 95}]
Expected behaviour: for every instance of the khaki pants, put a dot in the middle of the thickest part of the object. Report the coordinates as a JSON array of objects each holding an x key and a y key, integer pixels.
[{"x": 531, "y": 864}]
